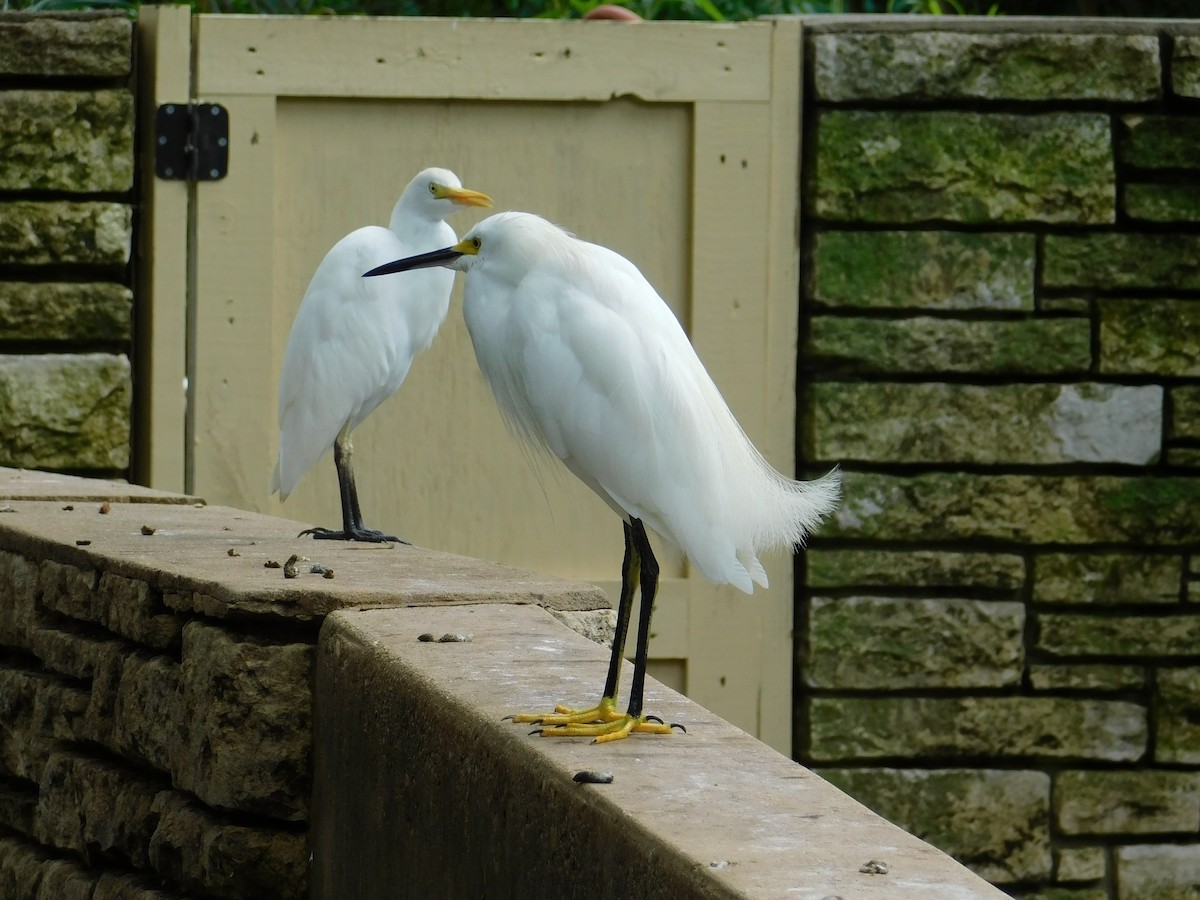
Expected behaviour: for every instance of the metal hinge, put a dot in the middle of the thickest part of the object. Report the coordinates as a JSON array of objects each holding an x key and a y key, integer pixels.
[{"x": 191, "y": 141}]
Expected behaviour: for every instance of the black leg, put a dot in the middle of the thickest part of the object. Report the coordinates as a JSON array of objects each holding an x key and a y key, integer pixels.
[
  {"x": 649, "y": 585},
  {"x": 353, "y": 528},
  {"x": 629, "y": 578}
]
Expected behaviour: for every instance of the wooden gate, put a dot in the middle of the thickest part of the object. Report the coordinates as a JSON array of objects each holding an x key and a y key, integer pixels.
[{"x": 674, "y": 143}]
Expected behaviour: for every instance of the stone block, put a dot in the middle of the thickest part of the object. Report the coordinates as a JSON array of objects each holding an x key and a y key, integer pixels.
[
  {"x": 1185, "y": 412},
  {"x": 1080, "y": 864},
  {"x": 21, "y": 865},
  {"x": 1156, "y": 337},
  {"x": 18, "y": 805},
  {"x": 63, "y": 879},
  {"x": 207, "y": 854},
  {"x": 996, "y": 822},
  {"x": 1117, "y": 260},
  {"x": 1060, "y": 892},
  {"x": 56, "y": 233},
  {"x": 936, "y": 270},
  {"x": 1177, "y": 716},
  {"x": 927, "y": 728},
  {"x": 949, "y": 506},
  {"x": 57, "y": 311},
  {"x": 65, "y": 411},
  {"x": 69, "y": 591},
  {"x": 135, "y": 706},
  {"x": 18, "y": 588},
  {"x": 70, "y": 141},
  {"x": 74, "y": 654},
  {"x": 1102, "y": 579},
  {"x": 934, "y": 65},
  {"x": 100, "y": 810},
  {"x": 1157, "y": 871},
  {"x": 1135, "y": 637},
  {"x": 124, "y": 886},
  {"x": 913, "y": 568},
  {"x": 1023, "y": 423},
  {"x": 924, "y": 344},
  {"x": 66, "y": 44},
  {"x": 37, "y": 711},
  {"x": 132, "y": 609},
  {"x": 1161, "y": 202},
  {"x": 888, "y": 643},
  {"x": 1087, "y": 677},
  {"x": 1185, "y": 67},
  {"x": 1152, "y": 142},
  {"x": 1127, "y": 802},
  {"x": 247, "y": 713},
  {"x": 975, "y": 168}
]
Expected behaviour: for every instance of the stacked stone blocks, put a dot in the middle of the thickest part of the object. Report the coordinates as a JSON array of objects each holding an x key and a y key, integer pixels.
[
  {"x": 1000, "y": 633},
  {"x": 66, "y": 227}
]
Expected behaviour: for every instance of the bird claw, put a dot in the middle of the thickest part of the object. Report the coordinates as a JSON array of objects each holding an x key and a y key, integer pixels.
[{"x": 365, "y": 535}]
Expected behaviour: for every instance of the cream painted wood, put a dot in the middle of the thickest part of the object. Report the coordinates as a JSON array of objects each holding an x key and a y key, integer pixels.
[
  {"x": 164, "y": 35},
  {"x": 635, "y": 139}
]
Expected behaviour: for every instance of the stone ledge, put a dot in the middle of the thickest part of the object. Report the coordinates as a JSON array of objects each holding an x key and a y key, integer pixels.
[{"x": 713, "y": 813}]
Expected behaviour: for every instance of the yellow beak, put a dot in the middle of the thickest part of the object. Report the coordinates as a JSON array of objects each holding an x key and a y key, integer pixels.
[{"x": 466, "y": 197}]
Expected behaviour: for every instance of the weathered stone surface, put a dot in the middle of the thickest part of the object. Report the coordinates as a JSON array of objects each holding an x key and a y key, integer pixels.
[
  {"x": 120, "y": 886},
  {"x": 1061, "y": 892},
  {"x": 64, "y": 879},
  {"x": 1185, "y": 412},
  {"x": 860, "y": 728},
  {"x": 1162, "y": 202},
  {"x": 36, "y": 711},
  {"x": 1160, "y": 337},
  {"x": 1141, "y": 637},
  {"x": 1024, "y": 423},
  {"x": 18, "y": 805},
  {"x": 996, "y": 822},
  {"x": 1185, "y": 68},
  {"x": 18, "y": 580},
  {"x": 247, "y": 740},
  {"x": 50, "y": 43},
  {"x": 1087, "y": 677},
  {"x": 97, "y": 809},
  {"x": 1080, "y": 864},
  {"x": 1141, "y": 802},
  {"x": 73, "y": 141},
  {"x": 1100, "y": 579},
  {"x": 1022, "y": 508},
  {"x": 923, "y": 270},
  {"x": 68, "y": 590},
  {"x": 594, "y": 624},
  {"x": 963, "y": 167},
  {"x": 1177, "y": 716},
  {"x": 20, "y": 868},
  {"x": 888, "y": 643},
  {"x": 73, "y": 654},
  {"x": 60, "y": 233},
  {"x": 135, "y": 708},
  {"x": 53, "y": 311},
  {"x": 1159, "y": 142},
  {"x": 955, "y": 65},
  {"x": 913, "y": 568},
  {"x": 209, "y": 855},
  {"x": 65, "y": 411},
  {"x": 1158, "y": 871},
  {"x": 133, "y": 609},
  {"x": 1117, "y": 260},
  {"x": 924, "y": 344}
]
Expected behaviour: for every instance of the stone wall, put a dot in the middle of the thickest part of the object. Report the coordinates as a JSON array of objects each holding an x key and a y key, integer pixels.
[
  {"x": 1000, "y": 636},
  {"x": 66, "y": 224},
  {"x": 156, "y": 685}
]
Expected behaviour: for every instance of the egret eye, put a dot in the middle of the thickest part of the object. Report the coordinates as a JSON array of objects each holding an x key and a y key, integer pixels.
[
  {"x": 476, "y": 243},
  {"x": 433, "y": 188}
]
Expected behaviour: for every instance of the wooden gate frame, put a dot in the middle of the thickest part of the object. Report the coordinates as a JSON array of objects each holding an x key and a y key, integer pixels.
[{"x": 744, "y": 84}]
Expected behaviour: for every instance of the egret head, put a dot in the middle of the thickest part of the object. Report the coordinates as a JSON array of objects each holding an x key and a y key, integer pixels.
[
  {"x": 437, "y": 192},
  {"x": 503, "y": 240}
]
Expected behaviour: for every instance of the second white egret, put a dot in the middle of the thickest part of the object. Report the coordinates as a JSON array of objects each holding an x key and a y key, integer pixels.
[
  {"x": 353, "y": 341},
  {"x": 587, "y": 362}
]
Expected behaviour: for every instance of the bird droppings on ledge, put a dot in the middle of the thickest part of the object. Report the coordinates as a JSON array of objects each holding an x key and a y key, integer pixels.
[
  {"x": 587, "y": 776},
  {"x": 148, "y": 529},
  {"x": 105, "y": 508},
  {"x": 232, "y": 552},
  {"x": 290, "y": 568},
  {"x": 874, "y": 867},
  {"x": 272, "y": 564},
  {"x": 448, "y": 638}
]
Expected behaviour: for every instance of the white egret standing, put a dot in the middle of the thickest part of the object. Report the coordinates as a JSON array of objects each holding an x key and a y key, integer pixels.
[
  {"x": 353, "y": 341},
  {"x": 587, "y": 362}
]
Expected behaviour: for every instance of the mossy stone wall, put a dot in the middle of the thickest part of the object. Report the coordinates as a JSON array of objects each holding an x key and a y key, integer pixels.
[
  {"x": 66, "y": 232},
  {"x": 999, "y": 633}
]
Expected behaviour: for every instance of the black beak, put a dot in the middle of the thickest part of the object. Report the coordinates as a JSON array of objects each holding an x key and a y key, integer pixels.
[{"x": 422, "y": 261}]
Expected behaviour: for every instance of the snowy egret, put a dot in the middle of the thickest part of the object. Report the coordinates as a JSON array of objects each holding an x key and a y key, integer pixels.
[
  {"x": 352, "y": 341},
  {"x": 588, "y": 363}
]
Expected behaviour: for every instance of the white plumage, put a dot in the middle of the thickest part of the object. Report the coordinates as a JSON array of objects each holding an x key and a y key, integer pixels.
[
  {"x": 353, "y": 340},
  {"x": 587, "y": 362}
]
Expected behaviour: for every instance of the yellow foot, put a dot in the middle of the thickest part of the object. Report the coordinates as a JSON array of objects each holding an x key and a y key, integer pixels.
[
  {"x": 616, "y": 730},
  {"x": 604, "y": 711}
]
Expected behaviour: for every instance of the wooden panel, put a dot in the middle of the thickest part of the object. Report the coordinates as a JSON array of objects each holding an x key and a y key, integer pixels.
[
  {"x": 164, "y": 49},
  {"x": 490, "y": 59}
]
